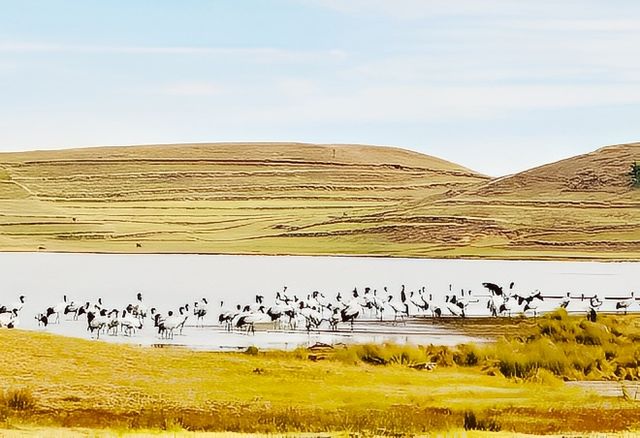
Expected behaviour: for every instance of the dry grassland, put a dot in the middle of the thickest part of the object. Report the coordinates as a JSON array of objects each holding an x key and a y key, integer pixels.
[
  {"x": 90, "y": 384},
  {"x": 285, "y": 198}
]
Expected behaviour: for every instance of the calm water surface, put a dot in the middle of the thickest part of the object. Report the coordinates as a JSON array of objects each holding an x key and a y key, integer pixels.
[{"x": 169, "y": 281}]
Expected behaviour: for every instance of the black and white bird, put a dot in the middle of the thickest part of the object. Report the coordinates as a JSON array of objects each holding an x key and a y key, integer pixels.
[
  {"x": 595, "y": 302},
  {"x": 97, "y": 321},
  {"x": 53, "y": 313},
  {"x": 418, "y": 301},
  {"x": 83, "y": 310},
  {"x": 72, "y": 309},
  {"x": 531, "y": 303},
  {"x": 436, "y": 309},
  {"x": 374, "y": 303},
  {"x": 113, "y": 322},
  {"x": 625, "y": 303},
  {"x": 43, "y": 320},
  {"x": 166, "y": 326},
  {"x": 225, "y": 317},
  {"x": 454, "y": 303},
  {"x": 501, "y": 302},
  {"x": 349, "y": 313},
  {"x": 184, "y": 315},
  {"x": 312, "y": 316},
  {"x": 566, "y": 300},
  {"x": 249, "y": 318},
  {"x": 493, "y": 305},
  {"x": 494, "y": 289},
  {"x": 282, "y": 315},
  {"x": 200, "y": 310},
  {"x": 9, "y": 319},
  {"x": 594, "y": 306},
  {"x": 129, "y": 323},
  {"x": 16, "y": 305},
  {"x": 139, "y": 309},
  {"x": 98, "y": 306},
  {"x": 400, "y": 307}
]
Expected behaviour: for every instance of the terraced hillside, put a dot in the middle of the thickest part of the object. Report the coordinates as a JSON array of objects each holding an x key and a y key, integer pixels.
[
  {"x": 581, "y": 207},
  {"x": 285, "y": 198},
  {"x": 213, "y": 198}
]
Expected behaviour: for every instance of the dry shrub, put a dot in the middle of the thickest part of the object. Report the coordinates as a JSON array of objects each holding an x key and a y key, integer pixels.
[
  {"x": 385, "y": 354},
  {"x": 568, "y": 347},
  {"x": 545, "y": 377},
  {"x": 18, "y": 399},
  {"x": 481, "y": 421},
  {"x": 469, "y": 355},
  {"x": 441, "y": 355}
]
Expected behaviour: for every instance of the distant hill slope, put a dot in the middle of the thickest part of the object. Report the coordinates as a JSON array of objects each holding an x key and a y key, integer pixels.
[
  {"x": 213, "y": 198},
  {"x": 582, "y": 208},
  {"x": 293, "y": 198},
  {"x": 232, "y": 171},
  {"x": 599, "y": 175},
  {"x": 255, "y": 152}
]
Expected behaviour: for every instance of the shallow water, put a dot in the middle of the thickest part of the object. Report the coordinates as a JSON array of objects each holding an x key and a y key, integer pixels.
[{"x": 169, "y": 281}]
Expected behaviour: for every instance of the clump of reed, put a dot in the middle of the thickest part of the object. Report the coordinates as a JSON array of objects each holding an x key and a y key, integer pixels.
[
  {"x": 480, "y": 421},
  {"x": 384, "y": 354},
  {"x": 17, "y": 399},
  {"x": 557, "y": 346}
]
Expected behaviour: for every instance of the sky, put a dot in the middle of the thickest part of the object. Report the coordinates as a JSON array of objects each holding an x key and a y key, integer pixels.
[{"x": 498, "y": 86}]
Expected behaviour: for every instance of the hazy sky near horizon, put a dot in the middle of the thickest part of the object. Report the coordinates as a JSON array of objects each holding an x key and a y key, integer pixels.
[{"x": 496, "y": 85}]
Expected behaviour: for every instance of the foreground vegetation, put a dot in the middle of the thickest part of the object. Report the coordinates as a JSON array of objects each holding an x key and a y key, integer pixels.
[
  {"x": 513, "y": 385},
  {"x": 555, "y": 346},
  {"x": 287, "y": 198}
]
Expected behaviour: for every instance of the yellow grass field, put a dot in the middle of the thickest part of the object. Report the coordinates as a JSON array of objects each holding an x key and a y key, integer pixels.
[
  {"x": 73, "y": 383},
  {"x": 288, "y": 198}
]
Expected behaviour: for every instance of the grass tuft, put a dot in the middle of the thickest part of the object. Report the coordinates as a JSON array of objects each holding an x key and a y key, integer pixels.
[
  {"x": 472, "y": 421},
  {"x": 18, "y": 399}
]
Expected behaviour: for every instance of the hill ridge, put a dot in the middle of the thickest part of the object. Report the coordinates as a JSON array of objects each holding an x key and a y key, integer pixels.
[{"x": 280, "y": 147}]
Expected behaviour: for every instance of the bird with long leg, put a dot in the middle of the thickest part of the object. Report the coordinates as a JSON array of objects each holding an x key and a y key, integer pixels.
[
  {"x": 400, "y": 307},
  {"x": 623, "y": 304}
]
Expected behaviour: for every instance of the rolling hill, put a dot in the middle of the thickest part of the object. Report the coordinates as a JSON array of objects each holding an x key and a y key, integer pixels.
[{"x": 291, "y": 198}]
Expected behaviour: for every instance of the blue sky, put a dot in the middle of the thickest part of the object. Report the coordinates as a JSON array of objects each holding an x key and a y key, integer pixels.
[{"x": 496, "y": 85}]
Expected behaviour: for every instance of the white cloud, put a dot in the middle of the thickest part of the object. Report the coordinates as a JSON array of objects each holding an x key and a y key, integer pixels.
[
  {"x": 584, "y": 25},
  {"x": 256, "y": 53},
  {"x": 425, "y": 104},
  {"x": 297, "y": 87},
  {"x": 420, "y": 9},
  {"x": 192, "y": 89},
  {"x": 6, "y": 66}
]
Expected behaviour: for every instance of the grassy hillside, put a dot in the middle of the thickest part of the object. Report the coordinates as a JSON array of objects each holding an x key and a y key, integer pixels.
[
  {"x": 287, "y": 198},
  {"x": 581, "y": 207}
]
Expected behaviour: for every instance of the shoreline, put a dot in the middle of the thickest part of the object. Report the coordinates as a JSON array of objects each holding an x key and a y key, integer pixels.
[{"x": 578, "y": 259}]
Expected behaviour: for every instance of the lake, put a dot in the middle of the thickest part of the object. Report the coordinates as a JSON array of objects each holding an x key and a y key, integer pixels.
[{"x": 169, "y": 281}]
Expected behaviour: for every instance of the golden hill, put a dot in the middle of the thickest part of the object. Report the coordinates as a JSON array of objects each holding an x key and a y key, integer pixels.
[
  {"x": 582, "y": 207},
  {"x": 196, "y": 172},
  {"x": 598, "y": 176},
  {"x": 210, "y": 198},
  {"x": 291, "y": 198}
]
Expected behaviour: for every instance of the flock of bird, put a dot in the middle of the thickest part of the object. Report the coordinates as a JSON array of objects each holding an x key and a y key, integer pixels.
[{"x": 288, "y": 311}]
